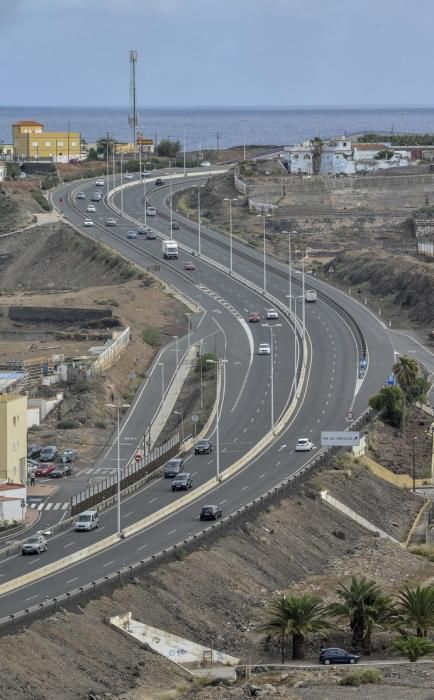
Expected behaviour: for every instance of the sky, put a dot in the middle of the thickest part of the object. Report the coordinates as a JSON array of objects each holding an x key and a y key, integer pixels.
[{"x": 217, "y": 52}]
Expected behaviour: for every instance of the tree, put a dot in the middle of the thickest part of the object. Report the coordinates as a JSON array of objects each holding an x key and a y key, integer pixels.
[
  {"x": 419, "y": 391},
  {"x": 168, "y": 148},
  {"x": 366, "y": 606},
  {"x": 105, "y": 142},
  {"x": 390, "y": 402},
  {"x": 415, "y": 608},
  {"x": 406, "y": 371},
  {"x": 317, "y": 154},
  {"x": 413, "y": 647},
  {"x": 295, "y": 616},
  {"x": 92, "y": 154}
]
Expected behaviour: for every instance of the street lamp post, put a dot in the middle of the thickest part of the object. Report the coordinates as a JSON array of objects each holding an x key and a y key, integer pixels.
[
  {"x": 171, "y": 212},
  {"x": 181, "y": 413},
  {"x": 219, "y": 363},
  {"x": 175, "y": 337},
  {"x": 265, "y": 257},
  {"x": 161, "y": 364},
  {"x": 122, "y": 189},
  {"x": 289, "y": 233},
  {"x": 228, "y": 199},
  {"x": 198, "y": 220},
  {"x": 145, "y": 212},
  {"x": 188, "y": 330},
  {"x": 414, "y": 464},
  {"x": 118, "y": 407}
]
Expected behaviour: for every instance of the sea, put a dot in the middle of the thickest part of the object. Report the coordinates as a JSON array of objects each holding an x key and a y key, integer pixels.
[{"x": 209, "y": 128}]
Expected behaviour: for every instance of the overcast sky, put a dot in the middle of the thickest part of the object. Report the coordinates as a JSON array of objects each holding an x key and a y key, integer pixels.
[{"x": 217, "y": 52}]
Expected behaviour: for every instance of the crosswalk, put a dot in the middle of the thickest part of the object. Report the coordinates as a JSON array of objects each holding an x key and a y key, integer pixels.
[
  {"x": 103, "y": 471},
  {"x": 49, "y": 505}
]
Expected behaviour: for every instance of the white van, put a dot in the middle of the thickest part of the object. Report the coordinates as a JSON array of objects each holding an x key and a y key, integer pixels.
[
  {"x": 88, "y": 520},
  {"x": 151, "y": 211}
]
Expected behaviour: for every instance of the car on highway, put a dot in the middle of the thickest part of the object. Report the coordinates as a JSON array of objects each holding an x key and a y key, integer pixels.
[
  {"x": 175, "y": 225},
  {"x": 210, "y": 513},
  {"x": 158, "y": 181},
  {"x": 271, "y": 314},
  {"x": 131, "y": 234},
  {"x": 333, "y": 655},
  {"x": 146, "y": 173},
  {"x": 203, "y": 447},
  {"x": 91, "y": 208},
  {"x": 189, "y": 265},
  {"x": 304, "y": 445},
  {"x": 254, "y": 317},
  {"x": 86, "y": 521},
  {"x": 205, "y": 164},
  {"x": 264, "y": 349},
  {"x": 150, "y": 235},
  {"x": 142, "y": 230},
  {"x": 128, "y": 176},
  {"x": 45, "y": 468},
  {"x": 110, "y": 222},
  {"x": 99, "y": 183},
  {"x": 34, "y": 545},
  {"x": 173, "y": 467},
  {"x": 48, "y": 453},
  {"x": 81, "y": 195},
  {"x": 33, "y": 451},
  {"x": 88, "y": 222},
  {"x": 96, "y": 197},
  {"x": 69, "y": 454},
  {"x": 151, "y": 211},
  {"x": 182, "y": 481},
  {"x": 61, "y": 470}
]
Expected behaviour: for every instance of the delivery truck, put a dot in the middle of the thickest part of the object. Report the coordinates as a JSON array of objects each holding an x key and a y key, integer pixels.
[
  {"x": 170, "y": 249},
  {"x": 310, "y": 295}
]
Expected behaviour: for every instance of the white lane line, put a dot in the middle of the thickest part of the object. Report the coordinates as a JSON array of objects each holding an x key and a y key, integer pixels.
[
  {"x": 33, "y": 596},
  {"x": 278, "y": 463},
  {"x": 244, "y": 488},
  {"x": 221, "y": 502},
  {"x": 127, "y": 514},
  {"x": 210, "y": 462},
  {"x": 171, "y": 532},
  {"x": 57, "y": 506},
  {"x": 68, "y": 545},
  {"x": 262, "y": 476},
  {"x": 108, "y": 563},
  {"x": 65, "y": 506},
  {"x": 33, "y": 505},
  {"x": 71, "y": 580},
  {"x": 282, "y": 448},
  {"x": 152, "y": 500},
  {"x": 235, "y": 439},
  {"x": 245, "y": 430},
  {"x": 40, "y": 506},
  {"x": 142, "y": 547}
]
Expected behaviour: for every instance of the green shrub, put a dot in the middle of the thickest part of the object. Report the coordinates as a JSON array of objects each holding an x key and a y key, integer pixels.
[
  {"x": 151, "y": 336},
  {"x": 41, "y": 200},
  {"x": 181, "y": 554},
  {"x": 68, "y": 424},
  {"x": 362, "y": 677}
]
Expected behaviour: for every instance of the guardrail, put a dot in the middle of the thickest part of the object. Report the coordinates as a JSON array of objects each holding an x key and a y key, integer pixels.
[{"x": 127, "y": 573}]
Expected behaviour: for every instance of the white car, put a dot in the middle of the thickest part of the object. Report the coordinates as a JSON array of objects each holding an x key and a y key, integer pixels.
[
  {"x": 91, "y": 207},
  {"x": 128, "y": 176},
  {"x": 110, "y": 222},
  {"x": 99, "y": 183},
  {"x": 205, "y": 164},
  {"x": 304, "y": 445},
  {"x": 81, "y": 195},
  {"x": 88, "y": 222},
  {"x": 271, "y": 314},
  {"x": 264, "y": 349}
]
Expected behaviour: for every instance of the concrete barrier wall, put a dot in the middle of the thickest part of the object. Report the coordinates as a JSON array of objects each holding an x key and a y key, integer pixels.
[{"x": 109, "y": 356}]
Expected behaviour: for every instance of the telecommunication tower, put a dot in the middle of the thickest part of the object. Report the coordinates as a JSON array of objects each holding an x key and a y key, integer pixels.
[{"x": 133, "y": 117}]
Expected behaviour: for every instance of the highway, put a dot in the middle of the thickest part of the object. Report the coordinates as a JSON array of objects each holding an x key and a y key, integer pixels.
[{"x": 245, "y": 414}]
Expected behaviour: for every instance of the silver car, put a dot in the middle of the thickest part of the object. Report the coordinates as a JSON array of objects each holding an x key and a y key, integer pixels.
[{"x": 34, "y": 545}]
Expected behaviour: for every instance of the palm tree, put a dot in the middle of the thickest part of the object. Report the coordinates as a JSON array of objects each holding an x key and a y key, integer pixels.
[
  {"x": 295, "y": 616},
  {"x": 415, "y": 608},
  {"x": 413, "y": 647},
  {"x": 366, "y": 606},
  {"x": 406, "y": 371}
]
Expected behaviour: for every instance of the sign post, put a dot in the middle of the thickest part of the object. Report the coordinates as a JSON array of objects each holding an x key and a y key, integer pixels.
[{"x": 340, "y": 438}]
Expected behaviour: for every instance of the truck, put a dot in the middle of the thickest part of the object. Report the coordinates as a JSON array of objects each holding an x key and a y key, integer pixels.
[
  {"x": 170, "y": 249},
  {"x": 310, "y": 295}
]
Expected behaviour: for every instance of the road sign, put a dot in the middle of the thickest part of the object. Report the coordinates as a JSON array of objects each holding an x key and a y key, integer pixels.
[
  {"x": 349, "y": 416},
  {"x": 391, "y": 380},
  {"x": 194, "y": 418},
  {"x": 138, "y": 457},
  {"x": 341, "y": 438}
]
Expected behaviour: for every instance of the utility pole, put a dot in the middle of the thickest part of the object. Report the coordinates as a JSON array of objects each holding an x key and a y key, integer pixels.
[{"x": 218, "y": 141}]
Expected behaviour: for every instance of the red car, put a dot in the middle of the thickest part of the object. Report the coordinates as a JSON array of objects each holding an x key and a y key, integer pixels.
[
  {"x": 254, "y": 317},
  {"x": 45, "y": 469},
  {"x": 189, "y": 266}
]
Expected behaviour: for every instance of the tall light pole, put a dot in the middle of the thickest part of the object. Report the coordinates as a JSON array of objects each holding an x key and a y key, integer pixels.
[
  {"x": 244, "y": 139},
  {"x": 413, "y": 473},
  {"x": 184, "y": 151},
  {"x": 171, "y": 213},
  {"x": 108, "y": 170},
  {"x": 175, "y": 337},
  {"x": 122, "y": 189},
  {"x": 265, "y": 257},
  {"x": 181, "y": 413},
  {"x": 198, "y": 220},
  {"x": 161, "y": 364},
  {"x": 227, "y": 199},
  {"x": 295, "y": 349},
  {"x": 188, "y": 331},
  {"x": 303, "y": 302},
  {"x": 219, "y": 363},
  {"x": 145, "y": 206},
  {"x": 118, "y": 407},
  {"x": 289, "y": 233},
  {"x": 267, "y": 325}
]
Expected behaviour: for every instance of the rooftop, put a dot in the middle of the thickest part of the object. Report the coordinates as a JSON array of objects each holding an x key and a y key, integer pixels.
[
  {"x": 27, "y": 123},
  {"x": 369, "y": 146},
  {"x": 6, "y": 398}
]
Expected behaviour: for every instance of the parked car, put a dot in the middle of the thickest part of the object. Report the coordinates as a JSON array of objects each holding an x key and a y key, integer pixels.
[
  {"x": 173, "y": 467},
  {"x": 264, "y": 349},
  {"x": 110, "y": 222},
  {"x": 304, "y": 445},
  {"x": 48, "y": 453},
  {"x": 333, "y": 655},
  {"x": 131, "y": 234},
  {"x": 61, "y": 470},
  {"x": 182, "y": 481},
  {"x": 272, "y": 314},
  {"x": 81, "y": 195},
  {"x": 88, "y": 520},
  {"x": 175, "y": 225},
  {"x": 189, "y": 266},
  {"x": 210, "y": 513},
  {"x": 254, "y": 317},
  {"x": 33, "y": 451},
  {"x": 69, "y": 455},
  {"x": 203, "y": 447},
  {"x": 44, "y": 469},
  {"x": 88, "y": 222},
  {"x": 34, "y": 545},
  {"x": 205, "y": 164},
  {"x": 158, "y": 181}
]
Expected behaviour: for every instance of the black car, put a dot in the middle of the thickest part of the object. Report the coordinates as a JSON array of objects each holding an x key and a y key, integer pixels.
[
  {"x": 210, "y": 513},
  {"x": 203, "y": 447},
  {"x": 333, "y": 655},
  {"x": 48, "y": 454},
  {"x": 60, "y": 471},
  {"x": 33, "y": 451},
  {"x": 173, "y": 467},
  {"x": 175, "y": 225},
  {"x": 158, "y": 181},
  {"x": 182, "y": 481}
]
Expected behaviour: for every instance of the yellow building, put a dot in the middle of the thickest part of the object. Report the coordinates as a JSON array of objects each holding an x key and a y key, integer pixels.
[
  {"x": 13, "y": 438},
  {"x": 31, "y": 141}
]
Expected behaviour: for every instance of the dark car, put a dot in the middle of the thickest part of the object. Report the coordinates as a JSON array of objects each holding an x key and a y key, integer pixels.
[
  {"x": 48, "y": 454},
  {"x": 173, "y": 467},
  {"x": 254, "y": 317},
  {"x": 210, "y": 513},
  {"x": 33, "y": 451},
  {"x": 158, "y": 181},
  {"x": 175, "y": 225},
  {"x": 182, "y": 481},
  {"x": 60, "y": 471},
  {"x": 203, "y": 447},
  {"x": 333, "y": 655}
]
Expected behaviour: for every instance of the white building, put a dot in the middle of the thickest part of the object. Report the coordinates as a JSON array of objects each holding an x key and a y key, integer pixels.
[
  {"x": 300, "y": 158},
  {"x": 2, "y": 170}
]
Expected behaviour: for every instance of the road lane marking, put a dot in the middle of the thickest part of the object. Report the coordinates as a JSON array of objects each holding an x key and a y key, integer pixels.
[
  {"x": 171, "y": 532},
  {"x": 68, "y": 545},
  {"x": 262, "y": 476},
  {"x": 108, "y": 563},
  {"x": 244, "y": 488},
  {"x": 32, "y": 597},
  {"x": 142, "y": 547},
  {"x": 127, "y": 514},
  {"x": 71, "y": 580},
  {"x": 152, "y": 500}
]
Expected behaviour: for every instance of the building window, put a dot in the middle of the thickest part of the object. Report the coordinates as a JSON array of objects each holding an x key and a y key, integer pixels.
[
  {"x": 14, "y": 421},
  {"x": 47, "y": 143},
  {"x": 60, "y": 143},
  {"x": 73, "y": 143},
  {"x": 34, "y": 144}
]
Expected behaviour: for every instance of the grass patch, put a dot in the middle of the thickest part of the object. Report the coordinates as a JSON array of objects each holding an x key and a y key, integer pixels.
[
  {"x": 41, "y": 200},
  {"x": 181, "y": 554},
  {"x": 151, "y": 336},
  {"x": 363, "y": 677},
  {"x": 423, "y": 550}
]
